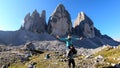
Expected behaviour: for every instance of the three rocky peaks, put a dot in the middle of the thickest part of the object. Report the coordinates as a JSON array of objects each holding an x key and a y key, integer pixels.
[
  {"x": 59, "y": 23},
  {"x": 35, "y": 29}
]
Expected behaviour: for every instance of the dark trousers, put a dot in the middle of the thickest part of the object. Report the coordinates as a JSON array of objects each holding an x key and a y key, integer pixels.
[{"x": 71, "y": 61}]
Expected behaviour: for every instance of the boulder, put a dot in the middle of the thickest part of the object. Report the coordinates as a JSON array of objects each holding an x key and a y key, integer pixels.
[
  {"x": 84, "y": 26},
  {"x": 35, "y": 22},
  {"x": 99, "y": 58},
  {"x": 29, "y": 46},
  {"x": 60, "y": 22}
]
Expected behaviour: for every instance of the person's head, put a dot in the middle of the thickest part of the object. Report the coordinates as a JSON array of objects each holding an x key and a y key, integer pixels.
[
  {"x": 71, "y": 47},
  {"x": 69, "y": 36}
]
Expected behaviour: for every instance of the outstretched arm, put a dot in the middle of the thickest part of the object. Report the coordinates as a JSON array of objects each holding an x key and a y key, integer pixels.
[
  {"x": 76, "y": 38},
  {"x": 62, "y": 39}
]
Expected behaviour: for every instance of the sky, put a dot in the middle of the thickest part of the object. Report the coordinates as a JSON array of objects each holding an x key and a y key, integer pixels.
[{"x": 104, "y": 13}]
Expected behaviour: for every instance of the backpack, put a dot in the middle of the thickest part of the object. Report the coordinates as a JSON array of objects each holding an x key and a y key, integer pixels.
[{"x": 74, "y": 51}]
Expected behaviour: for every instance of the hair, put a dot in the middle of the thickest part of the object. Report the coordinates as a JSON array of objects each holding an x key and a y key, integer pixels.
[{"x": 69, "y": 34}]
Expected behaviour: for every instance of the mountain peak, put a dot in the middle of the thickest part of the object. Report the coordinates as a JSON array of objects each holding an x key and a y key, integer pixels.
[
  {"x": 33, "y": 23},
  {"x": 84, "y": 26},
  {"x": 60, "y": 21},
  {"x": 82, "y": 13},
  {"x": 60, "y": 6}
]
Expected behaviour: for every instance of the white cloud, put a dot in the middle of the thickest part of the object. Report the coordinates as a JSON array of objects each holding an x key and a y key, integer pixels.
[{"x": 117, "y": 39}]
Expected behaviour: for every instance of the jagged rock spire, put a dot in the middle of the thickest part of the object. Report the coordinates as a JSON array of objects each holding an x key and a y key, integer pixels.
[
  {"x": 35, "y": 22},
  {"x": 84, "y": 26},
  {"x": 60, "y": 21}
]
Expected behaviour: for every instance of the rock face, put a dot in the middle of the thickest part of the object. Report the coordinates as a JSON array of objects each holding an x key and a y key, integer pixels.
[
  {"x": 84, "y": 26},
  {"x": 60, "y": 22},
  {"x": 36, "y": 22},
  {"x": 97, "y": 32},
  {"x": 21, "y": 37}
]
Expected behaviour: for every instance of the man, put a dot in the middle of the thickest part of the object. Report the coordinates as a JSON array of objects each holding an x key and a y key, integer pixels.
[{"x": 70, "y": 56}]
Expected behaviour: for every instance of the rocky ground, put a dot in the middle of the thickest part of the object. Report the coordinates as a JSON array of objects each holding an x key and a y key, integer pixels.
[{"x": 101, "y": 57}]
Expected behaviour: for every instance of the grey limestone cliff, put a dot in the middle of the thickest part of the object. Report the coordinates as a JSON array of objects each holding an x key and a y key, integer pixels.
[{"x": 60, "y": 22}]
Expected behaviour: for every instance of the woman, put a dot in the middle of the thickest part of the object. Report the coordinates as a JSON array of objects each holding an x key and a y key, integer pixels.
[{"x": 68, "y": 41}]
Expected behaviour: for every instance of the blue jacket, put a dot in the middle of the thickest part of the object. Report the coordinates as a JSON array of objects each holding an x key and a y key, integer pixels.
[{"x": 68, "y": 41}]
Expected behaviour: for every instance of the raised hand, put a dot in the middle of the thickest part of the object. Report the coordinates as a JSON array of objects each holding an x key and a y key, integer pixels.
[
  {"x": 81, "y": 38},
  {"x": 57, "y": 36}
]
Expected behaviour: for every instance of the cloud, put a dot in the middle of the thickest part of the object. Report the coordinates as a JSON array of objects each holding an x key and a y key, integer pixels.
[{"x": 117, "y": 39}]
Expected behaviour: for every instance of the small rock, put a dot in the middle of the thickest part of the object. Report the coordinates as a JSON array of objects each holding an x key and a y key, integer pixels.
[{"x": 99, "y": 58}]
